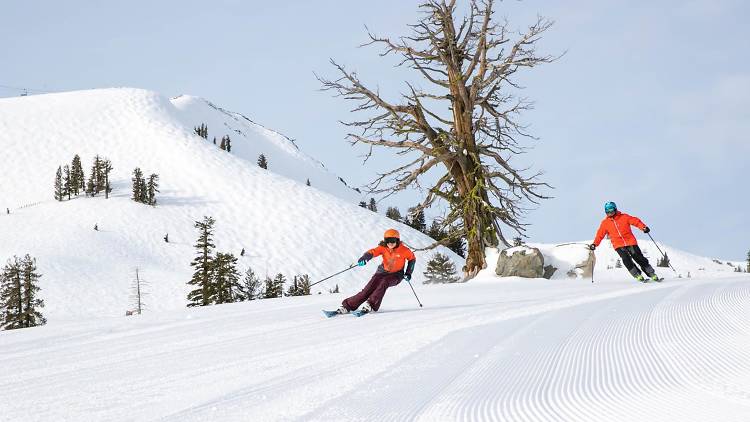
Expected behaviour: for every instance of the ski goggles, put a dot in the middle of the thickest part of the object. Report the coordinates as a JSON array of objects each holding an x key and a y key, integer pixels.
[{"x": 391, "y": 240}]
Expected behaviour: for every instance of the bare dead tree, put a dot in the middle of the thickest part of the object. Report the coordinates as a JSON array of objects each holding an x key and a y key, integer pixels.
[
  {"x": 465, "y": 126},
  {"x": 137, "y": 293}
]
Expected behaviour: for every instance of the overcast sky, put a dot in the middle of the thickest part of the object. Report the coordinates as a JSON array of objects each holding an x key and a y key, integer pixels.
[{"x": 649, "y": 107}]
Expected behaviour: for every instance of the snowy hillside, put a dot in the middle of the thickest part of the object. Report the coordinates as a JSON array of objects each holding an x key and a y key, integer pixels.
[{"x": 285, "y": 226}]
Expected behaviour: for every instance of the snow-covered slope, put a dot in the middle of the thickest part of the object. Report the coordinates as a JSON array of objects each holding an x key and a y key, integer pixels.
[
  {"x": 516, "y": 350},
  {"x": 249, "y": 140},
  {"x": 284, "y": 226}
]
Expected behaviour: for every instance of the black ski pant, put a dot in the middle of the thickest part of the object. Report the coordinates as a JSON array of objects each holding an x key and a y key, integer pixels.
[{"x": 633, "y": 253}]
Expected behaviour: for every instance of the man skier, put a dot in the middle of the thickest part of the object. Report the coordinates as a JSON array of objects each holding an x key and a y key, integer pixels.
[
  {"x": 389, "y": 273},
  {"x": 616, "y": 225}
]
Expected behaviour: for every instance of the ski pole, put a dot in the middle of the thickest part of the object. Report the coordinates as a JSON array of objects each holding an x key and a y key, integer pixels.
[
  {"x": 662, "y": 253},
  {"x": 415, "y": 293},
  {"x": 330, "y": 276}
]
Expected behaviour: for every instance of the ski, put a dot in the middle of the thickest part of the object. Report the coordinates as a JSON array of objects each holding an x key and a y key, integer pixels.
[
  {"x": 358, "y": 313},
  {"x": 330, "y": 314}
]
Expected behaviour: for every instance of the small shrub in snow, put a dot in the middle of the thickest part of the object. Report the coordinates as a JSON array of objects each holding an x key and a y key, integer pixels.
[
  {"x": 262, "y": 162},
  {"x": 251, "y": 288},
  {"x": 440, "y": 269}
]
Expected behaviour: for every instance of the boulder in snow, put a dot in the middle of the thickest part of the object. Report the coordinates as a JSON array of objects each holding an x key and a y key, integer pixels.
[
  {"x": 584, "y": 268},
  {"x": 520, "y": 261}
]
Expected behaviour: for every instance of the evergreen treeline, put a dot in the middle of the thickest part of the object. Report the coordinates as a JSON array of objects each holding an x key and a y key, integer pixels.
[
  {"x": 145, "y": 190},
  {"x": 262, "y": 162},
  {"x": 20, "y": 306},
  {"x": 71, "y": 181},
  {"x": 202, "y": 131},
  {"x": 216, "y": 279},
  {"x": 663, "y": 261}
]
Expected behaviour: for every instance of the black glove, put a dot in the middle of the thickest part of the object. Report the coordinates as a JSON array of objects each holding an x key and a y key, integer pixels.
[
  {"x": 592, "y": 246},
  {"x": 407, "y": 277},
  {"x": 646, "y": 229}
]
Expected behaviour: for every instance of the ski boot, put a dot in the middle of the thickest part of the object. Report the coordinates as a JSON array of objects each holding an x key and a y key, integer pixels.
[
  {"x": 365, "y": 309},
  {"x": 640, "y": 278}
]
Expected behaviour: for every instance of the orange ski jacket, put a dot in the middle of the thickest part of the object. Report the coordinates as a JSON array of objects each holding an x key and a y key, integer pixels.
[
  {"x": 393, "y": 261},
  {"x": 617, "y": 228}
]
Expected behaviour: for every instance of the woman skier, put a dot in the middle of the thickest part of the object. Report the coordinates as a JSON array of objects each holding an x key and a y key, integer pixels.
[
  {"x": 616, "y": 225},
  {"x": 398, "y": 264}
]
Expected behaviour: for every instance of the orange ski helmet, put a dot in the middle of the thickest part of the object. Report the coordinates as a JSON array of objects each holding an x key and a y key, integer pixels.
[{"x": 391, "y": 233}]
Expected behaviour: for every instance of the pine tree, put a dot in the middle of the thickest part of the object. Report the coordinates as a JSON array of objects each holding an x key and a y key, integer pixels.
[
  {"x": 308, "y": 182},
  {"x": 90, "y": 187},
  {"x": 105, "y": 168},
  {"x": 214, "y": 140},
  {"x": 32, "y": 316},
  {"x": 77, "y": 177},
  {"x": 335, "y": 289},
  {"x": 67, "y": 186},
  {"x": 95, "y": 184},
  {"x": 152, "y": 187},
  {"x": 228, "y": 144},
  {"x": 223, "y": 145},
  {"x": 262, "y": 162},
  {"x": 417, "y": 220},
  {"x": 748, "y": 262},
  {"x": 242, "y": 252},
  {"x": 251, "y": 286},
  {"x": 205, "y": 291},
  {"x": 226, "y": 278},
  {"x": 275, "y": 286},
  {"x": 618, "y": 264},
  {"x": 11, "y": 295},
  {"x": 363, "y": 204},
  {"x": 458, "y": 246},
  {"x": 440, "y": 269},
  {"x": 300, "y": 286},
  {"x": 58, "y": 185},
  {"x": 436, "y": 231},
  {"x": 138, "y": 184},
  {"x": 373, "y": 206},
  {"x": 517, "y": 241},
  {"x": 393, "y": 213}
]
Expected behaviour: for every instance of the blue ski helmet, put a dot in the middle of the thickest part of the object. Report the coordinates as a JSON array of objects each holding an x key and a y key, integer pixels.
[{"x": 610, "y": 207}]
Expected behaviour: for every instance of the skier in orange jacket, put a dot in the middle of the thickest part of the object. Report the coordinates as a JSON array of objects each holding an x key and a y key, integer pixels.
[
  {"x": 398, "y": 264},
  {"x": 616, "y": 225}
]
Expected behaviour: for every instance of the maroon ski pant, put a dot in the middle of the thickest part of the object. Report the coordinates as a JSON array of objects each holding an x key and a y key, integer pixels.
[{"x": 373, "y": 291}]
